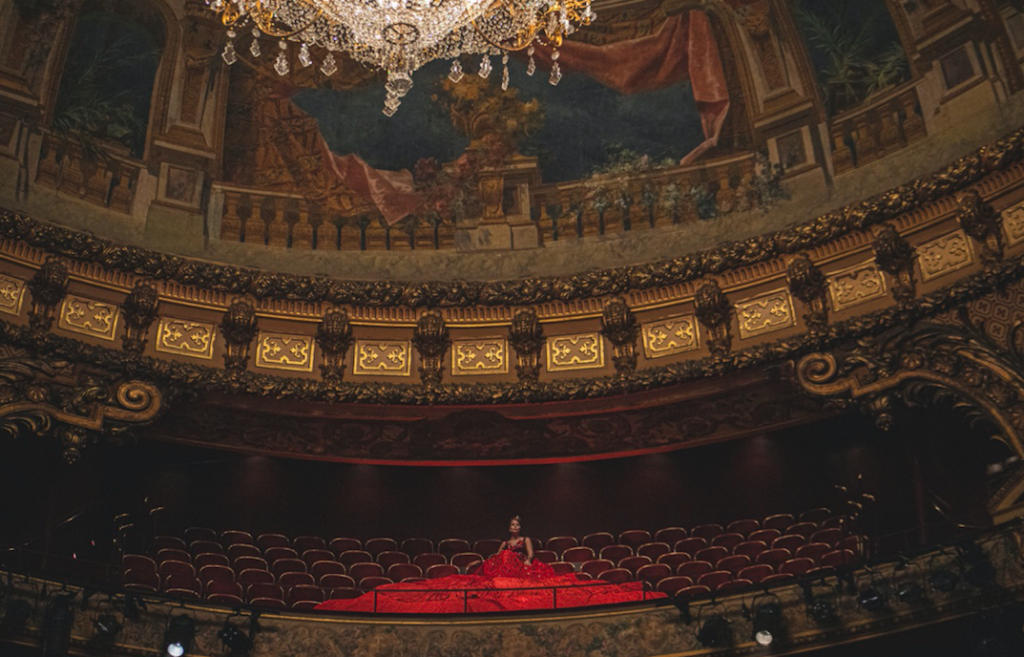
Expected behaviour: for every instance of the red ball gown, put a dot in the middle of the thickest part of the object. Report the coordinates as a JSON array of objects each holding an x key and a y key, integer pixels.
[{"x": 504, "y": 582}]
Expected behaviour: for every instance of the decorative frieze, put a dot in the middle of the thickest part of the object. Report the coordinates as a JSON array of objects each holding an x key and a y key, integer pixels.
[
  {"x": 185, "y": 337},
  {"x": 619, "y": 325},
  {"x": 895, "y": 256},
  {"x": 527, "y": 337},
  {"x": 983, "y": 224},
  {"x": 12, "y": 294},
  {"x": 1013, "y": 224},
  {"x": 715, "y": 312},
  {"x": 856, "y": 285},
  {"x": 584, "y": 351},
  {"x": 807, "y": 283},
  {"x": 944, "y": 255},
  {"x": 48, "y": 286},
  {"x": 278, "y": 351},
  {"x": 476, "y": 357},
  {"x": 382, "y": 358},
  {"x": 334, "y": 335},
  {"x": 431, "y": 339},
  {"x": 671, "y": 336},
  {"x": 95, "y": 319},
  {"x": 765, "y": 313},
  {"x": 140, "y": 309},
  {"x": 238, "y": 326}
]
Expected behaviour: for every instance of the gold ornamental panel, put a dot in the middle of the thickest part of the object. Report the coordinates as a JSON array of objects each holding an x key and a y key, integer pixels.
[
  {"x": 667, "y": 337},
  {"x": 765, "y": 313},
  {"x": 12, "y": 293},
  {"x": 1013, "y": 224},
  {"x": 382, "y": 358},
  {"x": 944, "y": 255},
  {"x": 96, "y": 319},
  {"x": 485, "y": 356},
  {"x": 279, "y": 351},
  {"x": 185, "y": 338},
  {"x": 575, "y": 352},
  {"x": 856, "y": 285}
]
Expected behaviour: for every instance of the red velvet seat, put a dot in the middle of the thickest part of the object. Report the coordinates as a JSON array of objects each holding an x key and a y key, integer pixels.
[
  {"x": 616, "y": 553},
  {"x": 264, "y": 590},
  {"x": 282, "y": 566},
  {"x": 778, "y": 577},
  {"x": 616, "y": 576},
  {"x": 225, "y": 593},
  {"x": 654, "y": 549},
  {"x": 855, "y": 544},
  {"x": 779, "y": 521},
  {"x": 304, "y": 597},
  {"x": 546, "y": 556},
  {"x": 402, "y": 571},
  {"x": 141, "y": 580},
  {"x": 652, "y": 573},
  {"x": 750, "y": 549},
  {"x": 453, "y": 546},
  {"x": 579, "y": 554},
  {"x": 734, "y": 585},
  {"x": 816, "y": 515},
  {"x": 830, "y": 536},
  {"x": 238, "y": 550},
  {"x": 690, "y": 545},
  {"x": 595, "y": 567},
  {"x": 634, "y": 563},
  {"x": 673, "y": 559},
  {"x": 314, "y": 555},
  {"x": 267, "y": 541},
  {"x": 789, "y": 542},
  {"x": 836, "y": 522},
  {"x": 714, "y": 579},
  {"x": 345, "y": 593},
  {"x": 766, "y": 536},
  {"x": 138, "y": 562},
  {"x": 290, "y": 579},
  {"x": 711, "y": 554},
  {"x": 694, "y": 569},
  {"x": 381, "y": 544},
  {"x": 560, "y": 544},
  {"x": 388, "y": 558},
  {"x": 193, "y": 534},
  {"x": 797, "y": 567},
  {"x": 277, "y": 553},
  {"x": 373, "y": 581},
  {"x": 804, "y": 529},
  {"x": 167, "y": 543},
  {"x": 463, "y": 560},
  {"x": 216, "y": 573},
  {"x": 251, "y": 576},
  {"x": 670, "y": 535},
  {"x": 414, "y": 546},
  {"x": 596, "y": 541},
  {"x": 344, "y": 544},
  {"x": 236, "y": 537},
  {"x": 838, "y": 558},
  {"x": 205, "y": 547},
  {"x": 743, "y": 527},
  {"x": 173, "y": 567},
  {"x": 182, "y": 585},
  {"x": 358, "y": 571},
  {"x": 813, "y": 551},
  {"x": 303, "y": 543},
  {"x": 210, "y": 559},
  {"x": 562, "y": 567},
  {"x": 694, "y": 591},
  {"x": 441, "y": 570},
  {"x": 755, "y": 573},
  {"x": 672, "y": 585},
  {"x": 487, "y": 546},
  {"x": 728, "y": 541},
  {"x": 634, "y": 538},
  {"x": 336, "y": 581},
  {"x": 350, "y": 557},
  {"x": 774, "y": 557},
  {"x": 173, "y": 554},
  {"x": 707, "y": 532},
  {"x": 245, "y": 563},
  {"x": 733, "y": 563},
  {"x": 428, "y": 559}
]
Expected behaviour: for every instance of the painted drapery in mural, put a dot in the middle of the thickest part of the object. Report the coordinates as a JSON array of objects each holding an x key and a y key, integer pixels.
[{"x": 289, "y": 150}]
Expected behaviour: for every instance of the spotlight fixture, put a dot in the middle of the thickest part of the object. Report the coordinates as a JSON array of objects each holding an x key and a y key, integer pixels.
[
  {"x": 909, "y": 591},
  {"x": 234, "y": 639},
  {"x": 871, "y": 599},
  {"x": 715, "y": 632},
  {"x": 107, "y": 626},
  {"x": 942, "y": 580},
  {"x": 823, "y": 610},
  {"x": 767, "y": 623},
  {"x": 178, "y": 637}
]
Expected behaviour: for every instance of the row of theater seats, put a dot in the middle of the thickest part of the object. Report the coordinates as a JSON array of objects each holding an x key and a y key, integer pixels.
[{"x": 270, "y": 570}]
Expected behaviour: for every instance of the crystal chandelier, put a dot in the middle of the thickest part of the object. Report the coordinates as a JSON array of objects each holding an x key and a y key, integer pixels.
[{"x": 400, "y": 36}]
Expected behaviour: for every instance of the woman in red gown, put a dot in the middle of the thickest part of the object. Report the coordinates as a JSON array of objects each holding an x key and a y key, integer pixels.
[{"x": 511, "y": 580}]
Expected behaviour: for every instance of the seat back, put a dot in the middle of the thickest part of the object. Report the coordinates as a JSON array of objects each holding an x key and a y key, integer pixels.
[
  {"x": 238, "y": 550},
  {"x": 673, "y": 559},
  {"x": 595, "y": 567},
  {"x": 597, "y": 540},
  {"x": 336, "y": 581},
  {"x": 244, "y": 563},
  {"x": 634, "y": 538},
  {"x": 634, "y": 563},
  {"x": 358, "y": 571},
  {"x": 193, "y": 534},
  {"x": 690, "y": 545},
  {"x": 487, "y": 546},
  {"x": 673, "y": 584},
  {"x": 349, "y": 557},
  {"x": 216, "y": 573},
  {"x": 272, "y": 554},
  {"x": 755, "y": 573},
  {"x": 778, "y": 521},
  {"x": 401, "y": 571},
  {"x": 708, "y": 531},
  {"x": 255, "y": 576},
  {"x": 453, "y": 546},
  {"x": 441, "y": 570},
  {"x": 653, "y": 573},
  {"x": 654, "y": 549},
  {"x": 266, "y": 541},
  {"x": 694, "y": 569},
  {"x": 381, "y": 544},
  {"x": 290, "y": 579},
  {"x": 210, "y": 559},
  {"x": 616, "y": 576},
  {"x": 670, "y": 535},
  {"x": 750, "y": 548},
  {"x": 463, "y": 560},
  {"x": 559, "y": 544},
  {"x": 728, "y": 541},
  {"x": 314, "y": 555},
  {"x": 743, "y": 527},
  {"x": 303, "y": 543},
  {"x": 414, "y": 546},
  {"x": 733, "y": 563},
  {"x": 428, "y": 559},
  {"x": 204, "y": 546},
  {"x": 579, "y": 554},
  {"x": 282, "y": 566},
  {"x": 235, "y": 536},
  {"x": 388, "y": 558},
  {"x": 616, "y": 553},
  {"x": 344, "y": 544}
]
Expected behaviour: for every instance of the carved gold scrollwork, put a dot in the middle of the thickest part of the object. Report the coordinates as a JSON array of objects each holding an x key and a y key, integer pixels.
[
  {"x": 89, "y": 317},
  {"x": 48, "y": 286},
  {"x": 983, "y": 224},
  {"x": 140, "y": 311},
  {"x": 895, "y": 257},
  {"x": 715, "y": 313},
  {"x": 334, "y": 335},
  {"x": 432, "y": 340},
  {"x": 944, "y": 255},
  {"x": 808, "y": 284},
  {"x": 619, "y": 325},
  {"x": 239, "y": 327},
  {"x": 527, "y": 337},
  {"x": 673, "y": 335},
  {"x": 12, "y": 293},
  {"x": 484, "y": 356}
]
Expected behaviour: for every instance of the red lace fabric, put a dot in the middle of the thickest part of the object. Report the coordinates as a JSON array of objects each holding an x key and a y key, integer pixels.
[{"x": 503, "y": 583}]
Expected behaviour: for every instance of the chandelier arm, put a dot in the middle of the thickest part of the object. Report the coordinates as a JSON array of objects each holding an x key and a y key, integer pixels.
[
  {"x": 268, "y": 28},
  {"x": 533, "y": 34}
]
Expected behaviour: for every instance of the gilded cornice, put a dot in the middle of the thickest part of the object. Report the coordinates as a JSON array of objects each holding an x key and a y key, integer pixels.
[
  {"x": 178, "y": 378},
  {"x": 87, "y": 248}
]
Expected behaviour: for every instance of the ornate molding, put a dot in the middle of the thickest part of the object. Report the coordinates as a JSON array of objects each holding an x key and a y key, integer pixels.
[
  {"x": 334, "y": 337},
  {"x": 140, "y": 309},
  {"x": 619, "y": 325},
  {"x": 527, "y": 337},
  {"x": 48, "y": 286},
  {"x": 809, "y": 285},
  {"x": 983, "y": 224},
  {"x": 239, "y": 327},
  {"x": 83, "y": 247},
  {"x": 432, "y": 340},
  {"x": 895, "y": 257},
  {"x": 715, "y": 314}
]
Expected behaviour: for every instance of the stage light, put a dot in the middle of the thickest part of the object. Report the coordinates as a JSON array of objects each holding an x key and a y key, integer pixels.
[
  {"x": 60, "y": 616},
  {"x": 823, "y": 611},
  {"x": 715, "y": 632},
  {"x": 178, "y": 637},
  {"x": 767, "y": 623},
  {"x": 237, "y": 641},
  {"x": 17, "y": 614},
  {"x": 909, "y": 592},
  {"x": 942, "y": 580},
  {"x": 107, "y": 626},
  {"x": 871, "y": 599}
]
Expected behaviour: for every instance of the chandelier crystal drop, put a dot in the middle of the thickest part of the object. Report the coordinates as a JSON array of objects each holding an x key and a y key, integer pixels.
[{"x": 400, "y": 36}]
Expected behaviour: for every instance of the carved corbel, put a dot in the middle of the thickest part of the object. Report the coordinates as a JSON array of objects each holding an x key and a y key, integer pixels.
[
  {"x": 619, "y": 325},
  {"x": 715, "y": 313},
  {"x": 983, "y": 224},
  {"x": 48, "y": 286},
  {"x": 895, "y": 257},
  {"x": 527, "y": 337},
  {"x": 431, "y": 340},
  {"x": 239, "y": 327},
  {"x": 334, "y": 337},
  {"x": 809, "y": 285},
  {"x": 140, "y": 311}
]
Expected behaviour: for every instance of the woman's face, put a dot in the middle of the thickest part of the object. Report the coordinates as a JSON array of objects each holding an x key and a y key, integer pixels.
[{"x": 514, "y": 526}]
